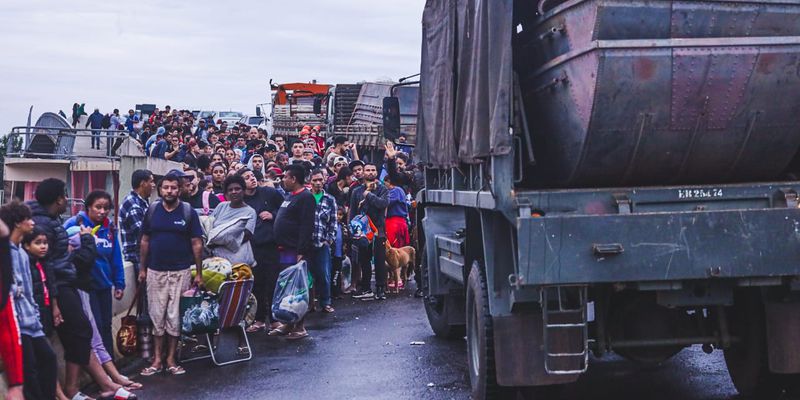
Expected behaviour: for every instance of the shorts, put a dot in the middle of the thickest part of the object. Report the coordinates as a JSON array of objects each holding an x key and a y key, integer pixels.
[
  {"x": 164, "y": 290},
  {"x": 75, "y": 332}
]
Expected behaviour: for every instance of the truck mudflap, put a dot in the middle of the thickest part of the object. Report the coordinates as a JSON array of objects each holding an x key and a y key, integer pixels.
[{"x": 556, "y": 250}]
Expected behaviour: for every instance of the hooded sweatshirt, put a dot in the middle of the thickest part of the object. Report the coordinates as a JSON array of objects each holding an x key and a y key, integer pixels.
[
  {"x": 108, "y": 269},
  {"x": 57, "y": 263},
  {"x": 250, "y": 166}
]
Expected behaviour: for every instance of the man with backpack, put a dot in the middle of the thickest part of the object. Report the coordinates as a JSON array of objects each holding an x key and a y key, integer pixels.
[
  {"x": 368, "y": 203},
  {"x": 172, "y": 240}
]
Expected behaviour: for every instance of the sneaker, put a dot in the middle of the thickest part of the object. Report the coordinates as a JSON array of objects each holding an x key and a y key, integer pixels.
[
  {"x": 362, "y": 294},
  {"x": 380, "y": 293},
  {"x": 418, "y": 294}
]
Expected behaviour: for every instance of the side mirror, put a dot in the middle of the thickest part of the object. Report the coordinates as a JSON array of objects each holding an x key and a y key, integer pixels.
[
  {"x": 391, "y": 118},
  {"x": 258, "y": 111},
  {"x": 317, "y": 105}
]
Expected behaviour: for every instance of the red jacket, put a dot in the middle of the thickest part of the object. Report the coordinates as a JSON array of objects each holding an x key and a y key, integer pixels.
[{"x": 10, "y": 346}]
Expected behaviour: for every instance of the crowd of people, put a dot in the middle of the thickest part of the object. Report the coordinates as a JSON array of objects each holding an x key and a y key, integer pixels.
[{"x": 299, "y": 198}]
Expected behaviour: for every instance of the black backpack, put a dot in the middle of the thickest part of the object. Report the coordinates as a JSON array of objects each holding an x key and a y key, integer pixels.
[
  {"x": 106, "y": 122},
  {"x": 185, "y": 207}
]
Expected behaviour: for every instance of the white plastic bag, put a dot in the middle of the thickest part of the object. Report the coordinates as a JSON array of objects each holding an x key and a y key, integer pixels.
[
  {"x": 347, "y": 272},
  {"x": 290, "y": 303}
]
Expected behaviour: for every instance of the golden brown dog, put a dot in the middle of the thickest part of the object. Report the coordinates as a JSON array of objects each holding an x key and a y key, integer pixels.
[{"x": 399, "y": 260}]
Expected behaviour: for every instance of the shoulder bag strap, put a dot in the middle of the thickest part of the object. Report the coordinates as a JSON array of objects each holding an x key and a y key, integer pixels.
[
  {"x": 135, "y": 299},
  {"x": 206, "y": 203}
]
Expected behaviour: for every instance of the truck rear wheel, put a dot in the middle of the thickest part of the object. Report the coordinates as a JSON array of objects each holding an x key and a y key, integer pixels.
[
  {"x": 480, "y": 338},
  {"x": 438, "y": 308},
  {"x": 747, "y": 361}
]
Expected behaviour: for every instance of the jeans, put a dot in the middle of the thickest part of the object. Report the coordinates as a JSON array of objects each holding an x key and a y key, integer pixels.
[
  {"x": 377, "y": 251},
  {"x": 100, "y": 300},
  {"x": 40, "y": 368},
  {"x": 266, "y": 256},
  {"x": 95, "y": 138},
  {"x": 320, "y": 266}
]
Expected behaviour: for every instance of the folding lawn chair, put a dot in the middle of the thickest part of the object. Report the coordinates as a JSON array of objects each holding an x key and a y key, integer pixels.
[{"x": 232, "y": 298}]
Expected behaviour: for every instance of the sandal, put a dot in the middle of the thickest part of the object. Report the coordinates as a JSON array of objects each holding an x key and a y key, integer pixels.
[
  {"x": 328, "y": 309},
  {"x": 132, "y": 386},
  {"x": 199, "y": 348},
  {"x": 120, "y": 394},
  {"x": 256, "y": 327},
  {"x": 279, "y": 331},
  {"x": 297, "y": 335},
  {"x": 80, "y": 396},
  {"x": 176, "y": 370},
  {"x": 243, "y": 351},
  {"x": 150, "y": 371}
]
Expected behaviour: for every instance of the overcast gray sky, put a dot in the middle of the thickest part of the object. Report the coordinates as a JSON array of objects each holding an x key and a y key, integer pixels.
[{"x": 199, "y": 54}]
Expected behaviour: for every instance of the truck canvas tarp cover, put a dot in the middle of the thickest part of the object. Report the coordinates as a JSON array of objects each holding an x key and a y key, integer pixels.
[{"x": 466, "y": 81}]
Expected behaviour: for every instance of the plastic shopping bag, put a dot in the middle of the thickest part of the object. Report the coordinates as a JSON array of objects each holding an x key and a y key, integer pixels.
[
  {"x": 290, "y": 303},
  {"x": 347, "y": 272},
  {"x": 199, "y": 312}
]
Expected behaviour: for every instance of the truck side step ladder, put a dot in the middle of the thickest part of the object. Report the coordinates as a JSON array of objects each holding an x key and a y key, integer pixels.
[{"x": 564, "y": 315}]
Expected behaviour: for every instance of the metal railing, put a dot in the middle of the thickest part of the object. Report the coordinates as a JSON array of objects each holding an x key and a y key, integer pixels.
[{"x": 64, "y": 143}]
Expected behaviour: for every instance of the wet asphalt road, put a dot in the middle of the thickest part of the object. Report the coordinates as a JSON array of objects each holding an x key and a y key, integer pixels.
[{"x": 363, "y": 351}]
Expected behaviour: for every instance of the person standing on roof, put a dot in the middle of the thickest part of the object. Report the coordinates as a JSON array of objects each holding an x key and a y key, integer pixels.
[
  {"x": 116, "y": 120},
  {"x": 95, "y": 121},
  {"x": 131, "y": 121}
]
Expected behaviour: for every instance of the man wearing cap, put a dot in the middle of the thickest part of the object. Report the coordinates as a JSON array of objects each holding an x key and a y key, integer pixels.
[
  {"x": 357, "y": 167},
  {"x": 337, "y": 164},
  {"x": 308, "y": 154},
  {"x": 402, "y": 146},
  {"x": 270, "y": 151},
  {"x": 154, "y": 141},
  {"x": 201, "y": 132}
]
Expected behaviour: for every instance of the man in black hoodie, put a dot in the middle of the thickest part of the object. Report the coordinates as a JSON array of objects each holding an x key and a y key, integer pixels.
[
  {"x": 66, "y": 273},
  {"x": 371, "y": 198}
]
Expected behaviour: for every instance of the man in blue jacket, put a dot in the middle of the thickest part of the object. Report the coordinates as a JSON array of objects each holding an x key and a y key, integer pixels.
[{"x": 95, "y": 121}]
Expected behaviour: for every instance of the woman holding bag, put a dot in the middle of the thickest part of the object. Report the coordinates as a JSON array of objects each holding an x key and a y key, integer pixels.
[{"x": 108, "y": 272}]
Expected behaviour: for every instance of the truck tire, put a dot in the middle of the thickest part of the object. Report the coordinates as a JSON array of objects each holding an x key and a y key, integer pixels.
[
  {"x": 480, "y": 338},
  {"x": 747, "y": 361},
  {"x": 437, "y": 309},
  {"x": 480, "y": 349}
]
